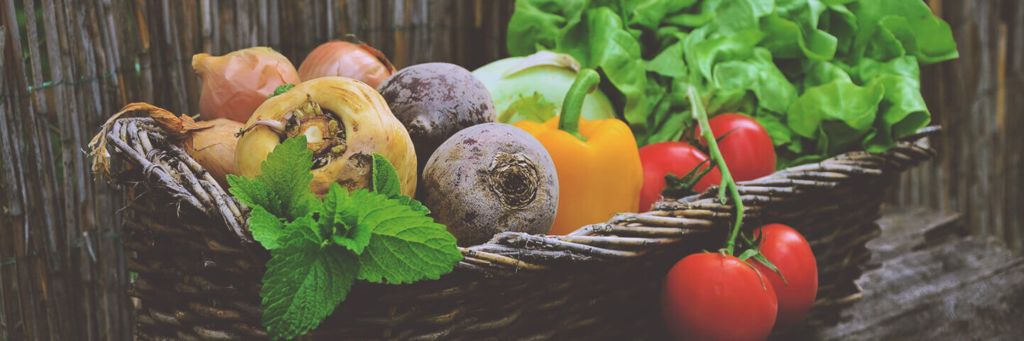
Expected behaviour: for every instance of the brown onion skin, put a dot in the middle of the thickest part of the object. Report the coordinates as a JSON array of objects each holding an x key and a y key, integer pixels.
[
  {"x": 344, "y": 59},
  {"x": 214, "y": 148},
  {"x": 235, "y": 84}
]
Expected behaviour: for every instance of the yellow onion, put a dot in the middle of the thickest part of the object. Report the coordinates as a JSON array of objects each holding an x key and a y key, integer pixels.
[
  {"x": 210, "y": 143},
  {"x": 341, "y": 58},
  {"x": 345, "y": 122},
  {"x": 235, "y": 84},
  {"x": 214, "y": 147}
]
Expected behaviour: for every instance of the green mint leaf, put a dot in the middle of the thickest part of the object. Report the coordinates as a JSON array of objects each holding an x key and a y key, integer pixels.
[
  {"x": 286, "y": 173},
  {"x": 406, "y": 246},
  {"x": 283, "y": 88},
  {"x": 282, "y": 188},
  {"x": 253, "y": 193},
  {"x": 266, "y": 228},
  {"x": 342, "y": 217},
  {"x": 414, "y": 204},
  {"x": 338, "y": 213},
  {"x": 385, "y": 177},
  {"x": 304, "y": 283}
]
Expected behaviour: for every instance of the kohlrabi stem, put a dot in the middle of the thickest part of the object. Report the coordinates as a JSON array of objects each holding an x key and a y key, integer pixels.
[
  {"x": 727, "y": 184},
  {"x": 572, "y": 105}
]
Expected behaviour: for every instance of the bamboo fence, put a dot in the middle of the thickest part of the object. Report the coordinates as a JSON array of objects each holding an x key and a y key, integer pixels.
[{"x": 68, "y": 64}]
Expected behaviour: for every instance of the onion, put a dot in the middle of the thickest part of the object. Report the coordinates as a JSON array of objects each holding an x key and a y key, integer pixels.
[
  {"x": 210, "y": 143},
  {"x": 341, "y": 58},
  {"x": 235, "y": 84},
  {"x": 214, "y": 147}
]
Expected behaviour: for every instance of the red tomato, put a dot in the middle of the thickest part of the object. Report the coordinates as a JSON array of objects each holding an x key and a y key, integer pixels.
[
  {"x": 789, "y": 251},
  {"x": 676, "y": 158},
  {"x": 710, "y": 296},
  {"x": 747, "y": 147}
]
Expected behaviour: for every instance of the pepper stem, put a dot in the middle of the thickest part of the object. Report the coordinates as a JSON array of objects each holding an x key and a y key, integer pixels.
[
  {"x": 727, "y": 184},
  {"x": 572, "y": 105}
]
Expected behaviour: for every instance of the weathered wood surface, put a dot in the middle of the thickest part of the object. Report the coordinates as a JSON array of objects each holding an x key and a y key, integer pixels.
[
  {"x": 979, "y": 100},
  {"x": 934, "y": 283}
]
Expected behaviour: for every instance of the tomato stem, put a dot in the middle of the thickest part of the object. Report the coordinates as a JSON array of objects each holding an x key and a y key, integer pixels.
[
  {"x": 572, "y": 105},
  {"x": 727, "y": 184}
]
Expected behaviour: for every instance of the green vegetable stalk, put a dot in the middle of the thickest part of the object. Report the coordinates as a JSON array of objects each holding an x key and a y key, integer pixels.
[{"x": 728, "y": 185}]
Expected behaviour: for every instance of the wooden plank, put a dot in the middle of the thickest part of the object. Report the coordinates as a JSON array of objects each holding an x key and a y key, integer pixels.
[
  {"x": 971, "y": 289},
  {"x": 931, "y": 282},
  {"x": 905, "y": 229},
  {"x": 979, "y": 98}
]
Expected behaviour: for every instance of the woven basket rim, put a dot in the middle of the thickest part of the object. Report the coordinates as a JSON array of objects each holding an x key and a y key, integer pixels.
[{"x": 142, "y": 142}]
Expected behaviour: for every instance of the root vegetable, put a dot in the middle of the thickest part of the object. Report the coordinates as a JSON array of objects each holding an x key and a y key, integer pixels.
[
  {"x": 491, "y": 178},
  {"x": 345, "y": 122},
  {"x": 235, "y": 84},
  {"x": 214, "y": 147},
  {"x": 344, "y": 59},
  {"x": 210, "y": 143},
  {"x": 436, "y": 100},
  {"x": 523, "y": 87}
]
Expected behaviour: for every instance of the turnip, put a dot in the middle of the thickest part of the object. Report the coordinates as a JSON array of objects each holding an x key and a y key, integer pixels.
[
  {"x": 345, "y": 122},
  {"x": 434, "y": 101},
  {"x": 533, "y": 87},
  {"x": 491, "y": 178}
]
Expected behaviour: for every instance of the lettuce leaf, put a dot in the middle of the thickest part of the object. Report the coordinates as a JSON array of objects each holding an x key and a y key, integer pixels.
[{"x": 824, "y": 76}]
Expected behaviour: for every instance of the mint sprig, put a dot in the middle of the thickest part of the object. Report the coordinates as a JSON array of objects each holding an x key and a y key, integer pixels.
[
  {"x": 282, "y": 188},
  {"x": 407, "y": 246},
  {"x": 385, "y": 177},
  {"x": 319, "y": 247},
  {"x": 304, "y": 283}
]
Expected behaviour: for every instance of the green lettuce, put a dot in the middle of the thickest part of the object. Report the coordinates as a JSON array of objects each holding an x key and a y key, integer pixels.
[{"x": 824, "y": 76}]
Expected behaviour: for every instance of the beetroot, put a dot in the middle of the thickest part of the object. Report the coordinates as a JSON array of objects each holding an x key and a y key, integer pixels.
[
  {"x": 491, "y": 178},
  {"x": 434, "y": 101}
]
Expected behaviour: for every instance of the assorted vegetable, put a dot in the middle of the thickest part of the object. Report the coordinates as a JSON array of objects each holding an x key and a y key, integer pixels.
[
  {"x": 235, "y": 84},
  {"x": 344, "y": 59},
  {"x": 491, "y": 178},
  {"x": 434, "y": 101},
  {"x": 533, "y": 87},
  {"x": 328, "y": 163},
  {"x": 344, "y": 121},
  {"x": 823, "y": 77},
  {"x": 598, "y": 163}
]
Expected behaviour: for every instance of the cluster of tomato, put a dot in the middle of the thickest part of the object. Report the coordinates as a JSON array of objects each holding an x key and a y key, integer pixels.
[
  {"x": 714, "y": 295},
  {"x": 745, "y": 144}
]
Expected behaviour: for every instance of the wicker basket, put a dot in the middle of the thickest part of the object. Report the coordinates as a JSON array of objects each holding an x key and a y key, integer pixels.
[{"x": 199, "y": 272}]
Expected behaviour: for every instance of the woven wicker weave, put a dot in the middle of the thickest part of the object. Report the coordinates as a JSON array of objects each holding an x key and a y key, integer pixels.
[{"x": 199, "y": 271}]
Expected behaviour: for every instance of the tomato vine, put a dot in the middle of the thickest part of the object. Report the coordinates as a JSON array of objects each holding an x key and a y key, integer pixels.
[{"x": 728, "y": 185}]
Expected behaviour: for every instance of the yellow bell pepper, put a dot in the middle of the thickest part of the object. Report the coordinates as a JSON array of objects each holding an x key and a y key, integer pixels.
[{"x": 598, "y": 164}]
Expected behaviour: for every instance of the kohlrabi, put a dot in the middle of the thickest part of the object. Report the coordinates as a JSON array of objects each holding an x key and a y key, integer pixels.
[{"x": 532, "y": 87}]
